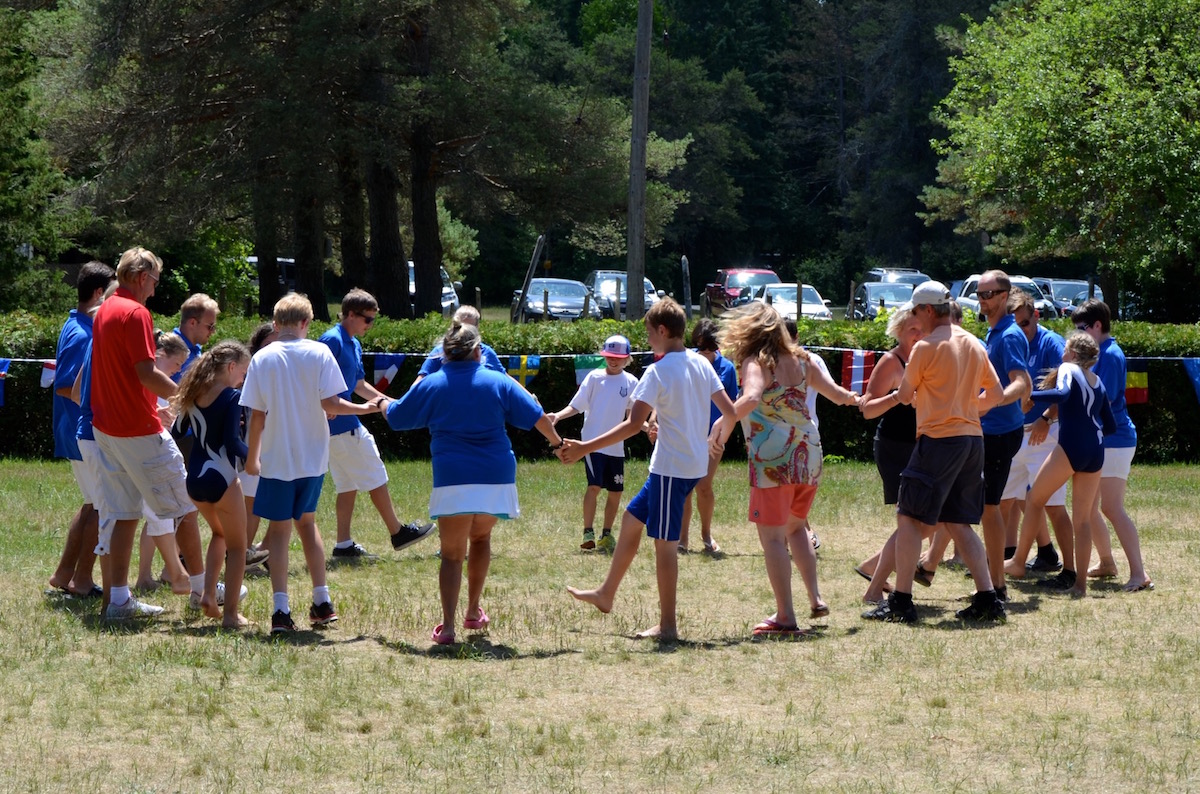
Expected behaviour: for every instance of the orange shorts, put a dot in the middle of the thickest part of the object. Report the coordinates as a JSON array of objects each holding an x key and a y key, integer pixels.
[{"x": 774, "y": 506}]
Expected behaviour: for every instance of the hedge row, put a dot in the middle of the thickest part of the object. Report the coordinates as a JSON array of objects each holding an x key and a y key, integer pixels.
[{"x": 1164, "y": 431}]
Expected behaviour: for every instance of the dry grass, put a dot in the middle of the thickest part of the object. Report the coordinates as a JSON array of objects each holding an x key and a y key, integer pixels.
[{"x": 1092, "y": 695}]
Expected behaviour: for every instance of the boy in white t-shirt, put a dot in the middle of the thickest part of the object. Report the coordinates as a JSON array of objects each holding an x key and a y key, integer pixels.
[
  {"x": 290, "y": 387},
  {"x": 678, "y": 388},
  {"x": 604, "y": 398}
]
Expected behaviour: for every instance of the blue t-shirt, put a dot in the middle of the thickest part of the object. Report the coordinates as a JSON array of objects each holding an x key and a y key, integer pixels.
[
  {"x": 1045, "y": 353},
  {"x": 1111, "y": 369},
  {"x": 465, "y": 407},
  {"x": 194, "y": 352},
  {"x": 73, "y": 344},
  {"x": 348, "y": 352},
  {"x": 1008, "y": 350},
  {"x": 433, "y": 362},
  {"x": 84, "y": 431},
  {"x": 727, "y": 373}
]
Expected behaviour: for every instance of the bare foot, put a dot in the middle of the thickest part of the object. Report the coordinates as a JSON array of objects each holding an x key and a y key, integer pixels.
[
  {"x": 210, "y": 608},
  {"x": 1137, "y": 587},
  {"x": 1077, "y": 592},
  {"x": 1014, "y": 571},
  {"x": 240, "y": 622},
  {"x": 1103, "y": 570},
  {"x": 658, "y": 633},
  {"x": 146, "y": 585},
  {"x": 59, "y": 584},
  {"x": 593, "y": 597}
]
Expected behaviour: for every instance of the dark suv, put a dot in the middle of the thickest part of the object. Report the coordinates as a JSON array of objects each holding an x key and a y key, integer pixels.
[{"x": 734, "y": 287}]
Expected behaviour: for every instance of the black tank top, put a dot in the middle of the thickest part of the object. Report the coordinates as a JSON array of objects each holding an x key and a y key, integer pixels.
[{"x": 898, "y": 423}]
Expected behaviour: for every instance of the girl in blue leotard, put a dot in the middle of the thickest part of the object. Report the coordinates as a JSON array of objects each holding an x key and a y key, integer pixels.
[
  {"x": 208, "y": 403},
  {"x": 1085, "y": 418}
]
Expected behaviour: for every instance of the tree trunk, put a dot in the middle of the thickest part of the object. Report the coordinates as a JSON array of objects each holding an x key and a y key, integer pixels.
[
  {"x": 427, "y": 242},
  {"x": 266, "y": 247},
  {"x": 310, "y": 264},
  {"x": 352, "y": 229},
  {"x": 389, "y": 266}
]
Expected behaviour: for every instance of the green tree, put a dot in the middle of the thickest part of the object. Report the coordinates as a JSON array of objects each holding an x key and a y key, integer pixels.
[
  {"x": 1073, "y": 127},
  {"x": 33, "y": 214}
]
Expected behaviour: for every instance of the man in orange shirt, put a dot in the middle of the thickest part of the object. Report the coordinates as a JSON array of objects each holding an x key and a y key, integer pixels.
[{"x": 943, "y": 482}]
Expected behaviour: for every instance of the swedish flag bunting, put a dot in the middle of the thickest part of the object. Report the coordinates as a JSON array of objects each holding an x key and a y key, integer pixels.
[{"x": 523, "y": 369}]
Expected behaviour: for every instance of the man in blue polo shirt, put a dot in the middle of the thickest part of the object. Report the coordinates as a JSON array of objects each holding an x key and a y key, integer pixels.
[
  {"x": 74, "y": 572},
  {"x": 1003, "y": 426},
  {"x": 354, "y": 459}
]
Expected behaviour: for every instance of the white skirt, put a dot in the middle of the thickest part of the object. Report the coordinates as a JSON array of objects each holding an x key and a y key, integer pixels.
[{"x": 456, "y": 500}]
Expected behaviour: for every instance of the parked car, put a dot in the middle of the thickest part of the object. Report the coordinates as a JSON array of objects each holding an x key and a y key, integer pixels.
[
  {"x": 287, "y": 272},
  {"x": 450, "y": 301},
  {"x": 1046, "y": 307},
  {"x": 554, "y": 299},
  {"x": 869, "y": 297},
  {"x": 1063, "y": 291},
  {"x": 895, "y": 275},
  {"x": 603, "y": 284},
  {"x": 733, "y": 287},
  {"x": 783, "y": 297}
]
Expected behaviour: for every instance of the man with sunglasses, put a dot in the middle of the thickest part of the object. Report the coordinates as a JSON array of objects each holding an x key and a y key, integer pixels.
[
  {"x": 1040, "y": 438},
  {"x": 354, "y": 458},
  {"x": 1004, "y": 425}
]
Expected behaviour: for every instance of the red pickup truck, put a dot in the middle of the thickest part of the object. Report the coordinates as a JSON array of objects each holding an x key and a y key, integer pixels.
[{"x": 734, "y": 287}]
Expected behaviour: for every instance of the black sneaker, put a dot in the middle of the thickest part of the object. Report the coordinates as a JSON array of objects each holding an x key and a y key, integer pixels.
[
  {"x": 984, "y": 607},
  {"x": 1044, "y": 565},
  {"x": 322, "y": 614},
  {"x": 890, "y": 612},
  {"x": 353, "y": 553},
  {"x": 1002, "y": 594},
  {"x": 1065, "y": 580},
  {"x": 410, "y": 533},
  {"x": 281, "y": 622}
]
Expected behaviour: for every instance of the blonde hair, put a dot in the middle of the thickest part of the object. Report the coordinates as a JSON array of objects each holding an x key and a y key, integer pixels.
[
  {"x": 467, "y": 315},
  {"x": 1086, "y": 352},
  {"x": 460, "y": 342},
  {"x": 203, "y": 374},
  {"x": 756, "y": 330},
  {"x": 136, "y": 261},
  {"x": 668, "y": 314},
  {"x": 896, "y": 321},
  {"x": 292, "y": 309},
  {"x": 170, "y": 344},
  {"x": 196, "y": 306}
]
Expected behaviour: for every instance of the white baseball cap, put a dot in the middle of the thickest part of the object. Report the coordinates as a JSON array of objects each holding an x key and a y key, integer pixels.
[
  {"x": 930, "y": 293},
  {"x": 616, "y": 346}
]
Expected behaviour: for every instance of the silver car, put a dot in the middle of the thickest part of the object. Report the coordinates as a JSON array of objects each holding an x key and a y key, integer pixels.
[{"x": 783, "y": 298}]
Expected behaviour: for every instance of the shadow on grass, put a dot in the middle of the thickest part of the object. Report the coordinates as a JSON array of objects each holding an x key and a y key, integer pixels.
[{"x": 477, "y": 649}]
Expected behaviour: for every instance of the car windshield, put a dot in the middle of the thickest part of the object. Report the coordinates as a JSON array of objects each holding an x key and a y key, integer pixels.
[
  {"x": 890, "y": 293},
  {"x": 412, "y": 278},
  {"x": 607, "y": 285},
  {"x": 741, "y": 280},
  {"x": 1067, "y": 290},
  {"x": 1031, "y": 288},
  {"x": 558, "y": 289},
  {"x": 787, "y": 292},
  {"x": 906, "y": 278}
]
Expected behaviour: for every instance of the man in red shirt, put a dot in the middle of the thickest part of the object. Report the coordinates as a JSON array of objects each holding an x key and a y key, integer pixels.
[{"x": 139, "y": 461}]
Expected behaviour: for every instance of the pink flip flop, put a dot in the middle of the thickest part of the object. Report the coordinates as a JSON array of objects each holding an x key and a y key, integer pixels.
[
  {"x": 478, "y": 623},
  {"x": 441, "y": 636}
]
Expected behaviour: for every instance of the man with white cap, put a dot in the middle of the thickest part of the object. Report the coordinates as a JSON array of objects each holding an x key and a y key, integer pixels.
[{"x": 943, "y": 482}]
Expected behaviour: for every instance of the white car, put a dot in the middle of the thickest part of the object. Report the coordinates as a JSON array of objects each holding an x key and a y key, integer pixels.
[
  {"x": 783, "y": 298},
  {"x": 1046, "y": 308}
]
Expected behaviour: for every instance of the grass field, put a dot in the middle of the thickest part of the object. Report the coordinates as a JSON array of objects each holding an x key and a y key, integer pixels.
[{"x": 1090, "y": 695}]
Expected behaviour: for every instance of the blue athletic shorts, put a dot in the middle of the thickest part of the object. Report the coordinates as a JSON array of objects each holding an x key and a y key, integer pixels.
[
  {"x": 285, "y": 500},
  {"x": 659, "y": 505},
  {"x": 605, "y": 471}
]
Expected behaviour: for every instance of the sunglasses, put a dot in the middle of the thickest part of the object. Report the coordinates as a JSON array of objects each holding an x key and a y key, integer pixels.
[
  {"x": 988, "y": 294},
  {"x": 1081, "y": 326},
  {"x": 367, "y": 318},
  {"x": 1024, "y": 323},
  {"x": 212, "y": 327}
]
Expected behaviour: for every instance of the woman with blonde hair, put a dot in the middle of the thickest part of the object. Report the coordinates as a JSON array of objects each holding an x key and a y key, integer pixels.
[{"x": 784, "y": 450}]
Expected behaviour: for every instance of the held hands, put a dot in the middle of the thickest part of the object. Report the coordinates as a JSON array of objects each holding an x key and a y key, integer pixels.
[
  {"x": 571, "y": 451},
  {"x": 166, "y": 415},
  {"x": 553, "y": 417},
  {"x": 1039, "y": 432},
  {"x": 652, "y": 432}
]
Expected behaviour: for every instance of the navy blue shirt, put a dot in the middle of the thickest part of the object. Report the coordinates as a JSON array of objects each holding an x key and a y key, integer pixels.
[{"x": 1008, "y": 350}]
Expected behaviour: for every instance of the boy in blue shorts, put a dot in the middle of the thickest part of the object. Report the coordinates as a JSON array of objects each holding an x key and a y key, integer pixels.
[
  {"x": 604, "y": 398},
  {"x": 678, "y": 388},
  {"x": 290, "y": 387}
]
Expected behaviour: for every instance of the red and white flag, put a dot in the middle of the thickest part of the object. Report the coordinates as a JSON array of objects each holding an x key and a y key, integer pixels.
[
  {"x": 856, "y": 369},
  {"x": 47, "y": 374},
  {"x": 387, "y": 365}
]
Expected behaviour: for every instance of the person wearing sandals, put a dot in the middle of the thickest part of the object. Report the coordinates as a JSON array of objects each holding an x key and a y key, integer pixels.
[
  {"x": 896, "y": 433},
  {"x": 465, "y": 407},
  {"x": 784, "y": 450},
  {"x": 1093, "y": 318},
  {"x": 1085, "y": 418}
]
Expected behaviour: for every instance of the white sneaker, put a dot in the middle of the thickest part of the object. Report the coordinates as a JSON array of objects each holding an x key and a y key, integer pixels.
[
  {"x": 194, "y": 598},
  {"x": 131, "y": 609}
]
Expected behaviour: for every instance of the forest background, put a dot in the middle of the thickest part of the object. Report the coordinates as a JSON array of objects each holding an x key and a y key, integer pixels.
[{"x": 815, "y": 137}]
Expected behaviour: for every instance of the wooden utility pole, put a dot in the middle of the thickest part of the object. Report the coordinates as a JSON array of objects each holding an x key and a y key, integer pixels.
[{"x": 636, "y": 241}]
